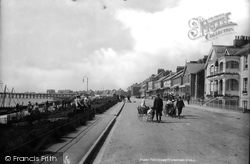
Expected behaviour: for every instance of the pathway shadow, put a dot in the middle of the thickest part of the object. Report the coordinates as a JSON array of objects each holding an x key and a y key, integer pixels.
[
  {"x": 162, "y": 121},
  {"x": 189, "y": 117}
]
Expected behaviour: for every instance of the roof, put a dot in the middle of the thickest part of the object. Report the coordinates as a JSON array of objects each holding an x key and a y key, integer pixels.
[
  {"x": 162, "y": 78},
  {"x": 232, "y": 50},
  {"x": 219, "y": 52},
  {"x": 136, "y": 85},
  {"x": 159, "y": 74},
  {"x": 178, "y": 74},
  {"x": 194, "y": 67},
  {"x": 244, "y": 50},
  {"x": 170, "y": 76},
  {"x": 166, "y": 77}
]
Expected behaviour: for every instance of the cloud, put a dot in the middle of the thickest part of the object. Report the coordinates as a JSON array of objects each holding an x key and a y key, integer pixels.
[
  {"x": 54, "y": 44},
  {"x": 151, "y": 6},
  {"x": 166, "y": 31}
]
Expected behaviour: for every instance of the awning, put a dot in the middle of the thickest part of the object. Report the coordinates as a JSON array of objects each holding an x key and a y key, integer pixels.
[
  {"x": 184, "y": 85},
  {"x": 175, "y": 86}
]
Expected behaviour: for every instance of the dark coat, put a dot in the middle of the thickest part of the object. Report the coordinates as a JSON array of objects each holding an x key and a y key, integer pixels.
[
  {"x": 180, "y": 104},
  {"x": 158, "y": 104}
]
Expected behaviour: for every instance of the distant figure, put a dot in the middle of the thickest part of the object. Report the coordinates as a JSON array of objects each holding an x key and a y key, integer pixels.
[
  {"x": 188, "y": 98},
  {"x": 87, "y": 102},
  {"x": 54, "y": 106},
  {"x": 63, "y": 104},
  {"x": 36, "y": 108},
  {"x": 179, "y": 104},
  {"x": 128, "y": 97},
  {"x": 29, "y": 107},
  {"x": 17, "y": 107},
  {"x": 46, "y": 106},
  {"x": 78, "y": 103},
  {"x": 158, "y": 104},
  {"x": 143, "y": 102},
  {"x": 202, "y": 100}
]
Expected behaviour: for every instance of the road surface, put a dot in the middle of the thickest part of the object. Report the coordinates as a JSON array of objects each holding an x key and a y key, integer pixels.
[{"x": 202, "y": 135}]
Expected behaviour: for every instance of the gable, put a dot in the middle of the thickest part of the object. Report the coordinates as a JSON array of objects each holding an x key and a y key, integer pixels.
[{"x": 213, "y": 55}]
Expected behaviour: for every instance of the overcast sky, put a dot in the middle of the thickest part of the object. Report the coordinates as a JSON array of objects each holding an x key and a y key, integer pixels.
[{"x": 53, "y": 44}]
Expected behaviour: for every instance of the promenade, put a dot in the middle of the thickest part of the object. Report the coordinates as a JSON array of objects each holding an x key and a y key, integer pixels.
[
  {"x": 77, "y": 147},
  {"x": 202, "y": 135}
]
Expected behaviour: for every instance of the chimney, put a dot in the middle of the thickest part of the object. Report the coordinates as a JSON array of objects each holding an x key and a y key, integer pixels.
[
  {"x": 240, "y": 41},
  {"x": 179, "y": 68},
  {"x": 167, "y": 72},
  {"x": 160, "y": 70}
]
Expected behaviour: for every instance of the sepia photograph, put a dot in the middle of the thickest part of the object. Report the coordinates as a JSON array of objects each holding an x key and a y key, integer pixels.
[{"x": 124, "y": 81}]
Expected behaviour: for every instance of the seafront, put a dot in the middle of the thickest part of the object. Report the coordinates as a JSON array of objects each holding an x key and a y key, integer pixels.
[
  {"x": 23, "y": 101},
  {"x": 37, "y": 131}
]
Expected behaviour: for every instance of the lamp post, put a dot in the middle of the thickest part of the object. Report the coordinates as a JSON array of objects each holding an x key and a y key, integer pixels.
[{"x": 87, "y": 82}]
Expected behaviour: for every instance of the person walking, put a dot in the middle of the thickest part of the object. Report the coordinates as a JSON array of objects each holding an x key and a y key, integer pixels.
[
  {"x": 201, "y": 100},
  {"x": 128, "y": 98},
  {"x": 188, "y": 99},
  {"x": 179, "y": 104},
  {"x": 158, "y": 104}
]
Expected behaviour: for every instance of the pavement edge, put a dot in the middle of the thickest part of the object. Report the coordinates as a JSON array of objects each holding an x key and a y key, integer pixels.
[{"x": 93, "y": 151}]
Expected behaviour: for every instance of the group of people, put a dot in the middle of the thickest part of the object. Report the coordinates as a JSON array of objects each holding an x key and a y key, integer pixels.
[
  {"x": 82, "y": 104},
  {"x": 123, "y": 98},
  {"x": 158, "y": 106},
  {"x": 48, "y": 106},
  {"x": 31, "y": 108},
  {"x": 34, "y": 108}
]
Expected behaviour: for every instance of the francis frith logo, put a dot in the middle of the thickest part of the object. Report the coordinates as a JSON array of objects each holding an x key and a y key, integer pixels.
[{"x": 211, "y": 28}]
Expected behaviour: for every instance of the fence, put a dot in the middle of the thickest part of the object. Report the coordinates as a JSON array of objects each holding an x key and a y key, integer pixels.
[
  {"x": 230, "y": 104},
  {"x": 40, "y": 136},
  {"x": 44, "y": 133}
]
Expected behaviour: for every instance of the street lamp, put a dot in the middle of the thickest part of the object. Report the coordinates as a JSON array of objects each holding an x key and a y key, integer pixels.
[{"x": 87, "y": 82}]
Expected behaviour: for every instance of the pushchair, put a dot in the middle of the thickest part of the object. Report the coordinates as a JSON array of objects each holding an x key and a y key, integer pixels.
[
  {"x": 142, "y": 111},
  {"x": 170, "y": 110}
]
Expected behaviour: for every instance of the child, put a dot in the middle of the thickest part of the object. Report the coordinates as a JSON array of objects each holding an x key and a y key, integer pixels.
[{"x": 150, "y": 115}]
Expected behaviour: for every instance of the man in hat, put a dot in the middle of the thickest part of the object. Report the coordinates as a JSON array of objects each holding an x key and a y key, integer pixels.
[
  {"x": 179, "y": 104},
  {"x": 158, "y": 104}
]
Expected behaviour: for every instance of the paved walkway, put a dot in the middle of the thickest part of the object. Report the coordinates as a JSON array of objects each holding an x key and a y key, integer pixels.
[
  {"x": 77, "y": 145},
  {"x": 202, "y": 135}
]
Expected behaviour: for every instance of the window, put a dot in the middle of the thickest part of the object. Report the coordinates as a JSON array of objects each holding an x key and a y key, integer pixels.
[
  {"x": 232, "y": 85},
  {"x": 232, "y": 64},
  {"x": 245, "y": 81},
  {"x": 221, "y": 67},
  {"x": 212, "y": 70},
  {"x": 246, "y": 62}
]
